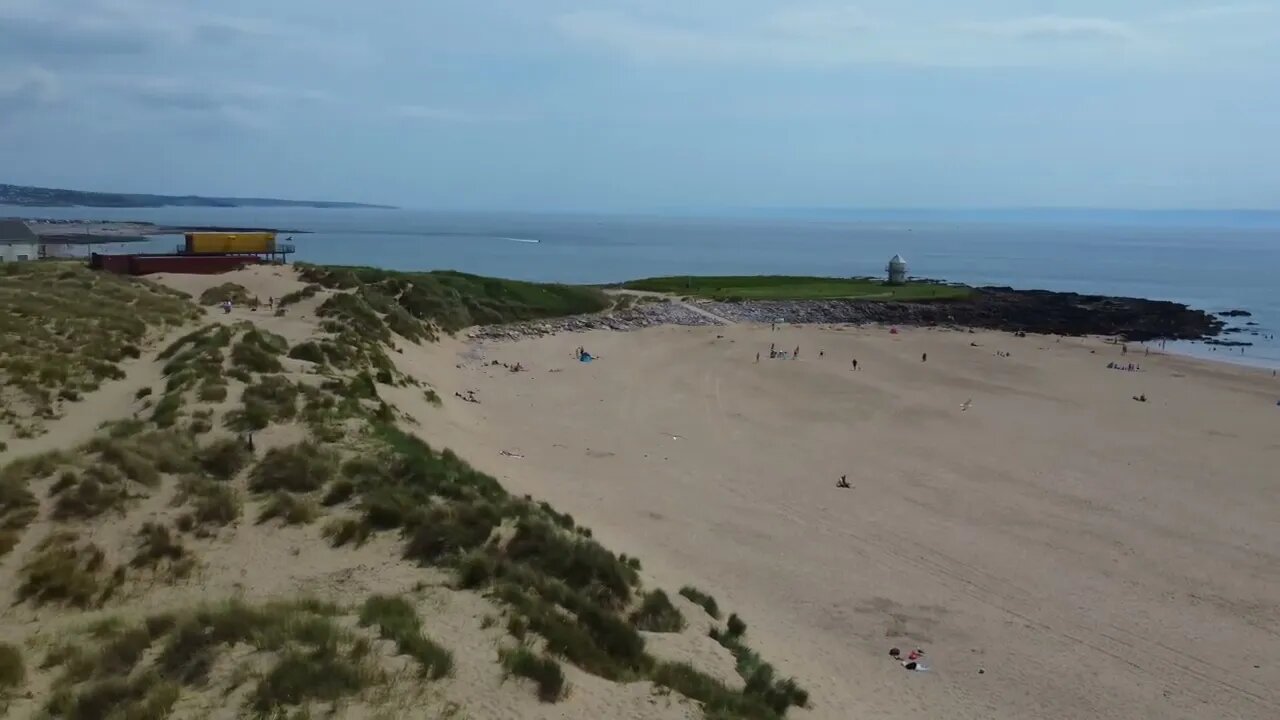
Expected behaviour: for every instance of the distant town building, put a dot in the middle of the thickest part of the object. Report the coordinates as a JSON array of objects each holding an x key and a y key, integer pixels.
[
  {"x": 897, "y": 269},
  {"x": 17, "y": 242}
]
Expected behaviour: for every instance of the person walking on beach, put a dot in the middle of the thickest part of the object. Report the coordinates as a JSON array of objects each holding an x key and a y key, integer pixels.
[
  {"x": 757, "y": 358},
  {"x": 796, "y": 354},
  {"x": 855, "y": 363},
  {"x": 924, "y": 357}
]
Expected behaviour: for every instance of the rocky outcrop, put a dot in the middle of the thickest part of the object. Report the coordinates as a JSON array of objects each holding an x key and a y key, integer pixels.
[
  {"x": 641, "y": 315},
  {"x": 992, "y": 308},
  {"x": 999, "y": 308},
  {"x": 1235, "y": 313}
]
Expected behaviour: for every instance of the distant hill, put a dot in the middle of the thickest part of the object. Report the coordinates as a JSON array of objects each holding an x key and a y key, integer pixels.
[{"x": 58, "y": 197}]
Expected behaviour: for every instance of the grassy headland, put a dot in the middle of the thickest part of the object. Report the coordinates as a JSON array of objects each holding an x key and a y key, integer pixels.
[{"x": 786, "y": 287}]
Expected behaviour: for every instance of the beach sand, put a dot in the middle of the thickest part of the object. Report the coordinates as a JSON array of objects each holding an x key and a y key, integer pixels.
[{"x": 1057, "y": 548}]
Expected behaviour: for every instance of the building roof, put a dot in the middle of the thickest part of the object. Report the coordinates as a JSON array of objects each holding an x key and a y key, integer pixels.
[
  {"x": 16, "y": 231},
  {"x": 896, "y": 260}
]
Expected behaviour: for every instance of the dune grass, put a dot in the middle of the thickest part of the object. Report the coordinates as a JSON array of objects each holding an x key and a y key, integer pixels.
[
  {"x": 543, "y": 670},
  {"x": 450, "y": 301},
  {"x": 702, "y": 599},
  {"x": 291, "y": 509},
  {"x": 140, "y": 671},
  {"x": 63, "y": 570},
  {"x": 161, "y": 552},
  {"x": 65, "y": 329},
  {"x": 657, "y": 614},
  {"x": 13, "y": 670},
  {"x": 760, "y": 677},
  {"x": 786, "y": 287},
  {"x": 396, "y": 620},
  {"x": 234, "y": 292}
]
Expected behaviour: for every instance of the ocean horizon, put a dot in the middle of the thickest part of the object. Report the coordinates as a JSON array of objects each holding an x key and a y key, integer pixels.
[{"x": 1214, "y": 260}]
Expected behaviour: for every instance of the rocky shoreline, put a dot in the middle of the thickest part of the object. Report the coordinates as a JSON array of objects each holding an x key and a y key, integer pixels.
[{"x": 991, "y": 308}]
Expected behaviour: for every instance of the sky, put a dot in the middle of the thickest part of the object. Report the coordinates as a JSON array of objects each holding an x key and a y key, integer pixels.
[{"x": 642, "y": 105}]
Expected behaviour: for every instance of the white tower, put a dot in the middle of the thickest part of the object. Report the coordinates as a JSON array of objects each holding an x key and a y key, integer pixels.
[{"x": 897, "y": 270}]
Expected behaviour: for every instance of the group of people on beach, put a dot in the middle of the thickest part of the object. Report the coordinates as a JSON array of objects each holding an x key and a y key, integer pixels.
[{"x": 1131, "y": 367}]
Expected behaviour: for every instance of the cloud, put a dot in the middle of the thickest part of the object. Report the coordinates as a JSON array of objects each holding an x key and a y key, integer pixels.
[
  {"x": 1219, "y": 12},
  {"x": 1056, "y": 28},
  {"x": 839, "y": 35},
  {"x": 432, "y": 114},
  {"x": 28, "y": 88},
  {"x": 70, "y": 29}
]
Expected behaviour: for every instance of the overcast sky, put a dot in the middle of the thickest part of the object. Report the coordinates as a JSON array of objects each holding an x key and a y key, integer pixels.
[{"x": 644, "y": 104}]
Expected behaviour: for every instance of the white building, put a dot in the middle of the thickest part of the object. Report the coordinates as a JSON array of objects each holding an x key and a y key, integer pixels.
[
  {"x": 17, "y": 242},
  {"x": 897, "y": 270}
]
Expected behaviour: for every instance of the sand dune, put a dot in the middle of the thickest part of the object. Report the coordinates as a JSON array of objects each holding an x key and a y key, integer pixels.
[{"x": 1058, "y": 549}]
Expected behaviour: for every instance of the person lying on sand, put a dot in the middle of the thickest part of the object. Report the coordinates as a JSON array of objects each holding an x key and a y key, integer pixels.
[{"x": 843, "y": 482}]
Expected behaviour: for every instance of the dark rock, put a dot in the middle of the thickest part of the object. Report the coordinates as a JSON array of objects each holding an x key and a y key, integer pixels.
[
  {"x": 1235, "y": 313},
  {"x": 997, "y": 308}
]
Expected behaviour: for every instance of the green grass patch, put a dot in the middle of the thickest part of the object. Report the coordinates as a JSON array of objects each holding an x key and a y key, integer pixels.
[
  {"x": 702, "y": 599},
  {"x": 786, "y": 287},
  {"x": 224, "y": 458},
  {"x": 273, "y": 398},
  {"x": 290, "y": 508},
  {"x": 161, "y": 552},
  {"x": 233, "y": 292},
  {"x": 259, "y": 351},
  {"x": 396, "y": 620},
  {"x": 13, "y": 671},
  {"x": 543, "y": 670},
  {"x": 65, "y": 329},
  {"x": 451, "y": 301},
  {"x": 212, "y": 503},
  {"x": 761, "y": 681},
  {"x": 308, "y": 351},
  {"x": 63, "y": 570},
  {"x": 657, "y": 614},
  {"x": 718, "y": 700},
  {"x": 298, "y": 295},
  {"x": 302, "y": 468}
]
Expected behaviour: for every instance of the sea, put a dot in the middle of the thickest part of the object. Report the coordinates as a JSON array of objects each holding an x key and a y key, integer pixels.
[{"x": 1211, "y": 260}]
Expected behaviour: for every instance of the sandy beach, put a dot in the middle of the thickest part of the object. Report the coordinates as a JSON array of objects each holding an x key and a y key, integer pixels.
[{"x": 1057, "y": 549}]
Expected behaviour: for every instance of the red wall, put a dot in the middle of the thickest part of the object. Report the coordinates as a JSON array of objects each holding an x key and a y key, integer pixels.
[{"x": 188, "y": 264}]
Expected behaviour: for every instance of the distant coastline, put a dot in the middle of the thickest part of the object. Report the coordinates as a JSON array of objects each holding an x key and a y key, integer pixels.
[{"x": 29, "y": 196}]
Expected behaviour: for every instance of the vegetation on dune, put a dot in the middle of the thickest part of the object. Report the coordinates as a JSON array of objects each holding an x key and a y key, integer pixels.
[
  {"x": 450, "y": 301},
  {"x": 705, "y": 601},
  {"x": 259, "y": 351},
  {"x": 141, "y": 671},
  {"x": 760, "y": 677},
  {"x": 543, "y": 670},
  {"x": 13, "y": 671},
  {"x": 303, "y": 467},
  {"x": 213, "y": 503},
  {"x": 290, "y": 508},
  {"x": 298, "y": 295},
  {"x": 396, "y": 620},
  {"x": 562, "y": 592},
  {"x": 162, "y": 553},
  {"x": 785, "y": 287},
  {"x": 64, "y": 329},
  {"x": 64, "y": 570},
  {"x": 273, "y": 398},
  {"x": 657, "y": 614},
  {"x": 233, "y": 292}
]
